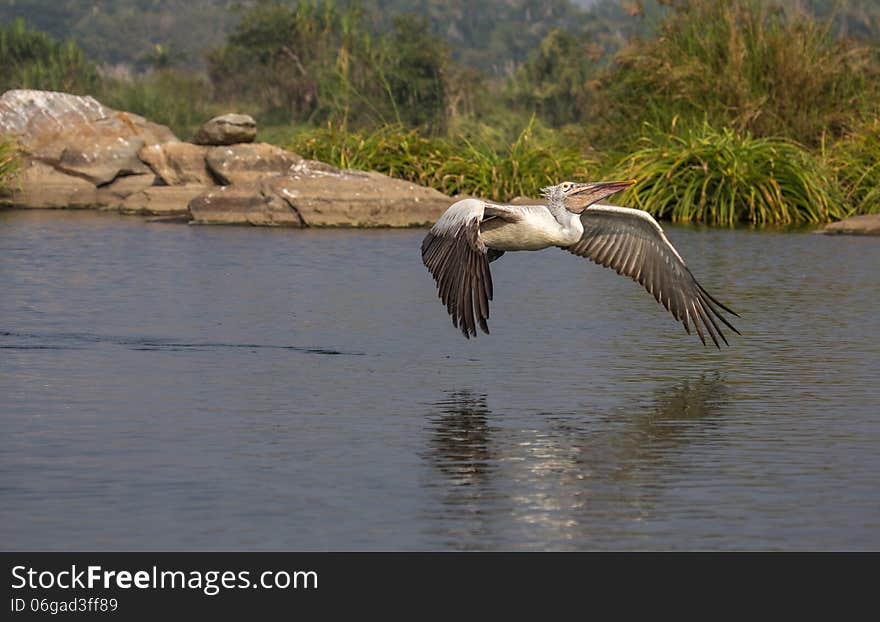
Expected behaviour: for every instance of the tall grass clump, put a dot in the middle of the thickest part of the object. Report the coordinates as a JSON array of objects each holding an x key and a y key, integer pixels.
[
  {"x": 749, "y": 65},
  {"x": 453, "y": 164},
  {"x": 856, "y": 163},
  {"x": 520, "y": 168},
  {"x": 721, "y": 177},
  {"x": 9, "y": 163}
]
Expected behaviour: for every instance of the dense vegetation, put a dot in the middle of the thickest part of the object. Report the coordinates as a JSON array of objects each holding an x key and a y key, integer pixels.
[
  {"x": 748, "y": 111},
  {"x": 8, "y": 163}
]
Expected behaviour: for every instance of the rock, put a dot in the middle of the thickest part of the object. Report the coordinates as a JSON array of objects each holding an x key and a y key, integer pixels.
[
  {"x": 178, "y": 163},
  {"x": 41, "y": 186},
  {"x": 162, "y": 200},
  {"x": 227, "y": 129},
  {"x": 78, "y": 135},
  {"x": 356, "y": 198},
  {"x": 521, "y": 200},
  {"x": 245, "y": 204},
  {"x": 239, "y": 164},
  {"x": 112, "y": 196},
  {"x": 79, "y": 153},
  {"x": 868, "y": 224}
]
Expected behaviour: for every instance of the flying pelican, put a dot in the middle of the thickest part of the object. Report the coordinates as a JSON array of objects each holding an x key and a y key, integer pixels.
[{"x": 473, "y": 233}]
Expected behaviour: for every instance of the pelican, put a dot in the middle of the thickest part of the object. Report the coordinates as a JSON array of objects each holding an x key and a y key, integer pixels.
[{"x": 472, "y": 233}]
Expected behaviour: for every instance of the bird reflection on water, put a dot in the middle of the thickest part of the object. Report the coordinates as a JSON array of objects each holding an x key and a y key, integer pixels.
[{"x": 551, "y": 481}]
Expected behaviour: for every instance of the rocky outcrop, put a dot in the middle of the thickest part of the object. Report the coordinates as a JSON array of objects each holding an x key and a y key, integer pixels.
[
  {"x": 253, "y": 203},
  {"x": 868, "y": 224},
  {"x": 78, "y": 135},
  {"x": 227, "y": 129},
  {"x": 81, "y": 154},
  {"x": 178, "y": 164},
  {"x": 162, "y": 200},
  {"x": 521, "y": 200},
  {"x": 334, "y": 198},
  {"x": 41, "y": 186},
  {"x": 239, "y": 164},
  {"x": 317, "y": 195},
  {"x": 113, "y": 196}
]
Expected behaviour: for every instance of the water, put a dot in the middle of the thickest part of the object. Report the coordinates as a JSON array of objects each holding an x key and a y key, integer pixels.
[{"x": 174, "y": 387}]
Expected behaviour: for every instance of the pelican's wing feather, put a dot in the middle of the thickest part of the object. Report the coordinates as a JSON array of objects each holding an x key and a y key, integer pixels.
[
  {"x": 631, "y": 242},
  {"x": 457, "y": 258}
]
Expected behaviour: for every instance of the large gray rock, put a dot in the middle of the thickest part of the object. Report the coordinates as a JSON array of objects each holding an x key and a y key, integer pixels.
[
  {"x": 113, "y": 195},
  {"x": 177, "y": 163},
  {"x": 521, "y": 200},
  {"x": 78, "y": 135},
  {"x": 245, "y": 163},
  {"x": 327, "y": 197},
  {"x": 162, "y": 200},
  {"x": 868, "y": 224},
  {"x": 227, "y": 129},
  {"x": 39, "y": 185},
  {"x": 245, "y": 204}
]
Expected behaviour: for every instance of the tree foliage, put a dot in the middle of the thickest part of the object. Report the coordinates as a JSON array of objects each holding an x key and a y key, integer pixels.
[
  {"x": 312, "y": 62},
  {"x": 33, "y": 59}
]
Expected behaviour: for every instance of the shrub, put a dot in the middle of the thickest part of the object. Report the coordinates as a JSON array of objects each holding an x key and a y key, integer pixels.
[
  {"x": 9, "y": 163},
  {"x": 744, "y": 65},
  {"x": 722, "y": 177},
  {"x": 454, "y": 165},
  {"x": 313, "y": 62},
  {"x": 856, "y": 163},
  {"x": 35, "y": 60}
]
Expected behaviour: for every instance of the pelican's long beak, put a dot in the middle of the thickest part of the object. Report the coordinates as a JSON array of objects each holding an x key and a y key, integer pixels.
[{"x": 584, "y": 195}]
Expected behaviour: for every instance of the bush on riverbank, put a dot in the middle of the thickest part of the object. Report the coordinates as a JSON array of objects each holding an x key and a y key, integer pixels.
[
  {"x": 751, "y": 66},
  {"x": 720, "y": 177},
  {"x": 856, "y": 163},
  {"x": 451, "y": 164},
  {"x": 9, "y": 162}
]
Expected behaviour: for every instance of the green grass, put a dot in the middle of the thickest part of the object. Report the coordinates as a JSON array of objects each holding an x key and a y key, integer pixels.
[
  {"x": 720, "y": 177},
  {"x": 749, "y": 65},
  {"x": 9, "y": 163},
  {"x": 180, "y": 100},
  {"x": 455, "y": 164},
  {"x": 855, "y": 160}
]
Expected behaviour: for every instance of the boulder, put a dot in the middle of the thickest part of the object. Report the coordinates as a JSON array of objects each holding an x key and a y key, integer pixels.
[
  {"x": 113, "y": 195},
  {"x": 244, "y": 204},
  {"x": 177, "y": 163},
  {"x": 334, "y": 198},
  {"x": 162, "y": 200},
  {"x": 241, "y": 164},
  {"x": 39, "y": 185},
  {"x": 521, "y": 200},
  {"x": 227, "y": 129},
  {"x": 868, "y": 224},
  {"x": 78, "y": 135}
]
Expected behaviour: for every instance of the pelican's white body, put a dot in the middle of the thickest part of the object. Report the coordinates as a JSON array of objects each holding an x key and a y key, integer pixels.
[{"x": 533, "y": 227}]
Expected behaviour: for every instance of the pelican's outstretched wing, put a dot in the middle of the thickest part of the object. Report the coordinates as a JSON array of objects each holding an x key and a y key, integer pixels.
[
  {"x": 631, "y": 242},
  {"x": 457, "y": 258}
]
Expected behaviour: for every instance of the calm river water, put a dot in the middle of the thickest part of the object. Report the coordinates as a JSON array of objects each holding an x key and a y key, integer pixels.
[{"x": 174, "y": 387}]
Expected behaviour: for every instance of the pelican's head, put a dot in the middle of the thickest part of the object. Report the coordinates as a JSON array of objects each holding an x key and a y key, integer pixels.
[{"x": 578, "y": 197}]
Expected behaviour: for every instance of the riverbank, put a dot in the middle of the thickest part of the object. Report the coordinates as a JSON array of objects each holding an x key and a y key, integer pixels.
[{"x": 79, "y": 154}]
